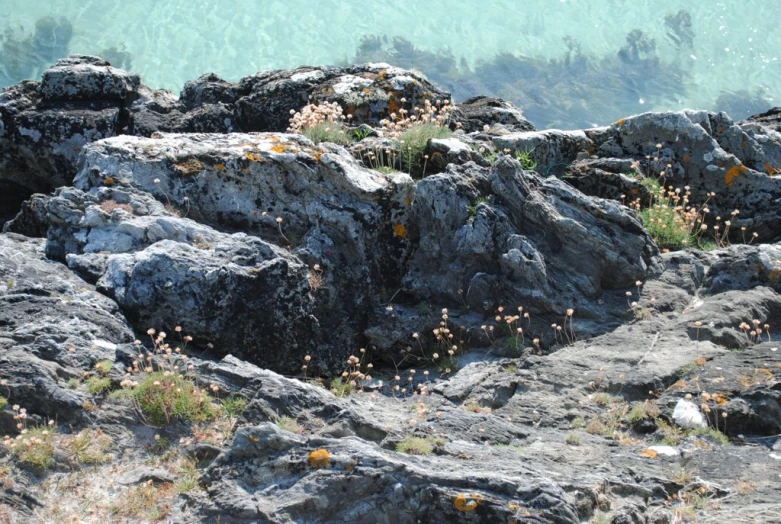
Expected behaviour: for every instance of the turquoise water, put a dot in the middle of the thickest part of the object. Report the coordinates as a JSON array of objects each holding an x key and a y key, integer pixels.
[{"x": 567, "y": 63}]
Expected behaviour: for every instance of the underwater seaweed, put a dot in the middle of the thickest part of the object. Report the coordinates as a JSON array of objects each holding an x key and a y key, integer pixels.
[{"x": 24, "y": 58}]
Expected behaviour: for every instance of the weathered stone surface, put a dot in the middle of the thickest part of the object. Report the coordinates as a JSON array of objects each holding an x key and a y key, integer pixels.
[
  {"x": 53, "y": 326},
  {"x": 507, "y": 237},
  {"x": 481, "y": 111},
  {"x": 88, "y": 78},
  {"x": 547, "y": 148}
]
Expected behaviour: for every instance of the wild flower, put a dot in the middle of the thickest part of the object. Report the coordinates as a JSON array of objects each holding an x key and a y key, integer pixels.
[{"x": 322, "y": 122}]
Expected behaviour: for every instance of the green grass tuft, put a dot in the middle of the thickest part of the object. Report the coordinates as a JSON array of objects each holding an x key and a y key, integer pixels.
[{"x": 163, "y": 398}]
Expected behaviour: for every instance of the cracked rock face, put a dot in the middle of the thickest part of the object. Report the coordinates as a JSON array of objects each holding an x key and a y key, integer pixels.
[{"x": 474, "y": 235}]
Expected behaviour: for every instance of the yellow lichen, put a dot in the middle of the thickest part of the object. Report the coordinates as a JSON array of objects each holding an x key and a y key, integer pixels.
[
  {"x": 220, "y": 167},
  {"x": 771, "y": 170},
  {"x": 283, "y": 148},
  {"x": 467, "y": 502},
  {"x": 252, "y": 157},
  {"x": 400, "y": 230},
  {"x": 649, "y": 453},
  {"x": 188, "y": 167},
  {"x": 733, "y": 173},
  {"x": 620, "y": 122},
  {"x": 320, "y": 458},
  {"x": 109, "y": 180}
]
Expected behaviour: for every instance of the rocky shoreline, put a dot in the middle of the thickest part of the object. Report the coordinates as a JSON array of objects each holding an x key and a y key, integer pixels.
[{"x": 207, "y": 318}]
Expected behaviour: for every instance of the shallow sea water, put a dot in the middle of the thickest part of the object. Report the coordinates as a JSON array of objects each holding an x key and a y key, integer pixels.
[{"x": 567, "y": 63}]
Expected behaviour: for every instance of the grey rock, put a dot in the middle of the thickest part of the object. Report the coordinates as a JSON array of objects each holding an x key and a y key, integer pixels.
[
  {"x": 44, "y": 312},
  {"x": 504, "y": 249},
  {"x": 479, "y": 111},
  {"x": 144, "y": 474},
  {"x": 88, "y": 78}
]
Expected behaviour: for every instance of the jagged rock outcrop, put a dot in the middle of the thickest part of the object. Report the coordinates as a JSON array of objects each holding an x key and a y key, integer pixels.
[
  {"x": 267, "y": 249},
  {"x": 704, "y": 151}
]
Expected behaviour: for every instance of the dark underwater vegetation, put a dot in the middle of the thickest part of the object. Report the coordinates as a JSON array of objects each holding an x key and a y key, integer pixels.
[
  {"x": 573, "y": 90},
  {"x": 25, "y": 57}
]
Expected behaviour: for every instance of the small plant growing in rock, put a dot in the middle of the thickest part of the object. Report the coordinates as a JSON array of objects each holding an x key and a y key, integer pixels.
[
  {"x": 104, "y": 367},
  {"x": 97, "y": 384},
  {"x": 288, "y": 424},
  {"x": 90, "y": 447},
  {"x": 188, "y": 477},
  {"x": 670, "y": 220},
  {"x": 163, "y": 397},
  {"x": 600, "y": 518},
  {"x": 411, "y": 131},
  {"x": 416, "y": 446},
  {"x": 147, "y": 502},
  {"x": 322, "y": 122},
  {"x": 642, "y": 411},
  {"x": 33, "y": 446},
  {"x": 525, "y": 158},
  {"x": 573, "y": 439},
  {"x": 162, "y": 384}
]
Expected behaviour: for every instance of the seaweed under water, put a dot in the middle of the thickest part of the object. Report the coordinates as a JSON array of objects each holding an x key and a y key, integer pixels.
[
  {"x": 575, "y": 89},
  {"x": 25, "y": 57}
]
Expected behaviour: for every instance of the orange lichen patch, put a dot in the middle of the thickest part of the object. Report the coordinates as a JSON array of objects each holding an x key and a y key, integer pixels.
[
  {"x": 408, "y": 201},
  {"x": 283, "y": 148},
  {"x": 686, "y": 159},
  {"x": 367, "y": 90},
  {"x": 252, "y": 157},
  {"x": 383, "y": 74},
  {"x": 393, "y": 105},
  {"x": 720, "y": 399},
  {"x": 188, "y": 167},
  {"x": 400, "y": 230},
  {"x": 771, "y": 170},
  {"x": 634, "y": 191},
  {"x": 620, "y": 122},
  {"x": 320, "y": 458},
  {"x": 467, "y": 502},
  {"x": 774, "y": 275},
  {"x": 318, "y": 154},
  {"x": 109, "y": 181},
  {"x": 733, "y": 173},
  {"x": 649, "y": 453},
  {"x": 759, "y": 376},
  {"x": 680, "y": 384},
  {"x": 701, "y": 444},
  {"x": 220, "y": 167}
]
